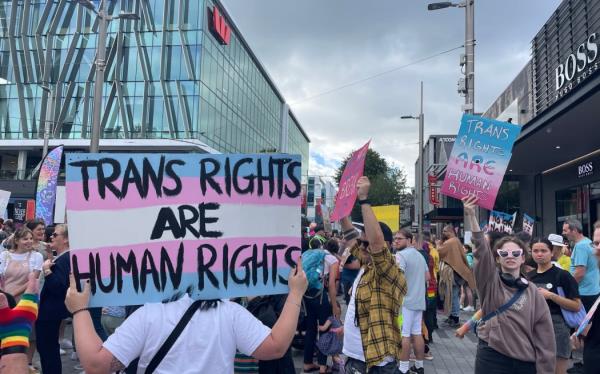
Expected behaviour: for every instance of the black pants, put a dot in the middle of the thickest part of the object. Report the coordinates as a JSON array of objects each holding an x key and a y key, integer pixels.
[
  {"x": 489, "y": 361},
  {"x": 48, "y": 346},
  {"x": 358, "y": 367},
  {"x": 429, "y": 317},
  {"x": 318, "y": 309}
]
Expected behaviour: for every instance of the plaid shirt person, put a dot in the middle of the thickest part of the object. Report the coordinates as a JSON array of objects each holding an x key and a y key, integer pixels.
[{"x": 379, "y": 296}]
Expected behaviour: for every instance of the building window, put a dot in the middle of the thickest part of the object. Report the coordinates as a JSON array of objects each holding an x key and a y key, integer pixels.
[{"x": 573, "y": 203}]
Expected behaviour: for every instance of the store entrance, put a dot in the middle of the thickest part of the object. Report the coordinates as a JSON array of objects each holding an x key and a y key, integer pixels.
[{"x": 594, "y": 203}]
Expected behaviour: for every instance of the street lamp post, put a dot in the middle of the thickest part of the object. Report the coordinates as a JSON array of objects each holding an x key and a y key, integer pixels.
[
  {"x": 421, "y": 178},
  {"x": 469, "y": 60},
  {"x": 100, "y": 63}
]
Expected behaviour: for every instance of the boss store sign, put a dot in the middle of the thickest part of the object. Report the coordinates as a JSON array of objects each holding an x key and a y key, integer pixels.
[
  {"x": 585, "y": 170},
  {"x": 580, "y": 64}
]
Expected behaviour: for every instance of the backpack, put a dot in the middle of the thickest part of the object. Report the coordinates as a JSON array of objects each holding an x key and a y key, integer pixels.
[{"x": 313, "y": 263}]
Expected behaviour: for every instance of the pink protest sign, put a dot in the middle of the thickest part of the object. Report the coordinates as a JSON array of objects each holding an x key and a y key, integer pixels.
[
  {"x": 346, "y": 195},
  {"x": 479, "y": 159}
]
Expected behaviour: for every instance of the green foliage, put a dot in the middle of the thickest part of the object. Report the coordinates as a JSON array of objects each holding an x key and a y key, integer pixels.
[{"x": 388, "y": 182}]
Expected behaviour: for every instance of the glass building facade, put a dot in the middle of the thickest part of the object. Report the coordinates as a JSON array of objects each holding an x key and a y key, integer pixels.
[{"x": 168, "y": 76}]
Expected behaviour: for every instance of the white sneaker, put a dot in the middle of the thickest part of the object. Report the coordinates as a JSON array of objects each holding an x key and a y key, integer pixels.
[
  {"x": 469, "y": 309},
  {"x": 62, "y": 352},
  {"x": 74, "y": 356},
  {"x": 66, "y": 344}
]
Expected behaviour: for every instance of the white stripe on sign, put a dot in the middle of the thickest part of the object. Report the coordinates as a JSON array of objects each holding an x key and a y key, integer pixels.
[{"x": 102, "y": 228}]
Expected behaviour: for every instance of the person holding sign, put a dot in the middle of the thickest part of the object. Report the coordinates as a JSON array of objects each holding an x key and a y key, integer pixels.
[
  {"x": 372, "y": 339},
  {"x": 206, "y": 345},
  {"x": 516, "y": 328}
]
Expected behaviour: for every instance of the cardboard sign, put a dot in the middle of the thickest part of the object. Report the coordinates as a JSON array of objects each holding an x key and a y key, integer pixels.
[
  {"x": 501, "y": 222},
  {"x": 479, "y": 159},
  {"x": 346, "y": 195},
  {"x": 528, "y": 223},
  {"x": 144, "y": 227}
]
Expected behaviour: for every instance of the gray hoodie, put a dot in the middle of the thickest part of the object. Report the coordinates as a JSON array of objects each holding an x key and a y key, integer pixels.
[{"x": 523, "y": 332}]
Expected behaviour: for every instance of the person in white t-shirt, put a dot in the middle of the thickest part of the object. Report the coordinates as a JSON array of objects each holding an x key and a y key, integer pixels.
[{"x": 207, "y": 345}]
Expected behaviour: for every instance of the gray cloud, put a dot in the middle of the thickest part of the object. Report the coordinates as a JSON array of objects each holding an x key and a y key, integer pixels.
[{"x": 310, "y": 46}]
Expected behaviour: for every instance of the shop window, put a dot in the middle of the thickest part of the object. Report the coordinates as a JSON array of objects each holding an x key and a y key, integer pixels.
[{"x": 573, "y": 203}]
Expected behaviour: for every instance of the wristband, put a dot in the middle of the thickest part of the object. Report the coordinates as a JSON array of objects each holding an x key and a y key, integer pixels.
[
  {"x": 365, "y": 201},
  {"x": 16, "y": 323},
  {"x": 80, "y": 310},
  {"x": 352, "y": 235},
  {"x": 14, "y": 349}
]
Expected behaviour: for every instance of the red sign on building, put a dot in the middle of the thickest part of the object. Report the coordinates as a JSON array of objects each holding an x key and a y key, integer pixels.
[
  {"x": 434, "y": 196},
  {"x": 219, "y": 27}
]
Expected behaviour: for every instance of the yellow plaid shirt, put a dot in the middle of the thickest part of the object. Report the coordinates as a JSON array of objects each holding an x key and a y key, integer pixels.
[{"x": 379, "y": 296}]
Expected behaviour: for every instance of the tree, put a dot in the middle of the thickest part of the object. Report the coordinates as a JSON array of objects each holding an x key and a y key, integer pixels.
[{"x": 388, "y": 182}]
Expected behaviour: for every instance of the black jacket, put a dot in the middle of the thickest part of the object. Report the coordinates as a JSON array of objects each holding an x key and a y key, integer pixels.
[{"x": 52, "y": 297}]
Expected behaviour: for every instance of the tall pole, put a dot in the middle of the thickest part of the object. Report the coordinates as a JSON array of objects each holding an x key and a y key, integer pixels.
[
  {"x": 100, "y": 65},
  {"x": 470, "y": 56},
  {"x": 46, "y": 138},
  {"x": 421, "y": 169}
]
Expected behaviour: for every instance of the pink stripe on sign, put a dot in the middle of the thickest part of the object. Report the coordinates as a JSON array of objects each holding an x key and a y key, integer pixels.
[
  {"x": 190, "y": 252},
  {"x": 191, "y": 193}
]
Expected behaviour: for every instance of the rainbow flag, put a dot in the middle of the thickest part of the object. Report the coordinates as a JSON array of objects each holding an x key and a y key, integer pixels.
[{"x": 45, "y": 195}]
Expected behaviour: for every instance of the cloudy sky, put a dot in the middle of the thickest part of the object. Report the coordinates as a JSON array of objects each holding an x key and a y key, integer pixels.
[{"x": 313, "y": 46}]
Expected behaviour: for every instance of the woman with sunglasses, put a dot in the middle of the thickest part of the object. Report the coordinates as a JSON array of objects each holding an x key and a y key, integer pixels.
[{"x": 516, "y": 335}]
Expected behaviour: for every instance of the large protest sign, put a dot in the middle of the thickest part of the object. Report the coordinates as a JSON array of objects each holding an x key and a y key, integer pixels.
[
  {"x": 501, "y": 222},
  {"x": 346, "y": 195},
  {"x": 479, "y": 159},
  {"x": 528, "y": 223},
  {"x": 388, "y": 214},
  {"x": 143, "y": 227}
]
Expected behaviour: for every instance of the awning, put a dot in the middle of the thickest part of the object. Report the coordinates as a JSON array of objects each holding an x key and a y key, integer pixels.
[{"x": 444, "y": 215}]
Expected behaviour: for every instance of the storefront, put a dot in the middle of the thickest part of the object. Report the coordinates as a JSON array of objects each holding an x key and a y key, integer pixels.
[{"x": 554, "y": 173}]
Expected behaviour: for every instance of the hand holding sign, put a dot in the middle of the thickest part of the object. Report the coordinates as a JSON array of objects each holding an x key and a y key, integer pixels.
[
  {"x": 362, "y": 187},
  {"x": 76, "y": 300}
]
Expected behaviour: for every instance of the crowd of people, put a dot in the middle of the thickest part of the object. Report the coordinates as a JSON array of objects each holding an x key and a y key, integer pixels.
[{"x": 364, "y": 299}]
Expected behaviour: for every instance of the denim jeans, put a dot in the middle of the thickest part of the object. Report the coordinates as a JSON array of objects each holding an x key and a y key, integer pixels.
[
  {"x": 358, "y": 367},
  {"x": 455, "y": 301},
  {"x": 489, "y": 361}
]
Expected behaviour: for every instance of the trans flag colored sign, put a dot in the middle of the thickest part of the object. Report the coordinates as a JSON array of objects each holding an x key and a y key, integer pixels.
[
  {"x": 479, "y": 159},
  {"x": 147, "y": 227}
]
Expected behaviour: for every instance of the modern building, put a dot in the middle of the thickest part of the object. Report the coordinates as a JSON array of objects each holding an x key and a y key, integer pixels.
[
  {"x": 179, "y": 78},
  {"x": 320, "y": 192},
  {"x": 438, "y": 209},
  {"x": 554, "y": 173}
]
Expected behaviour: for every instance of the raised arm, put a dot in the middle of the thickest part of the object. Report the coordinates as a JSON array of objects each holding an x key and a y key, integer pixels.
[{"x": 372, "y": 228}]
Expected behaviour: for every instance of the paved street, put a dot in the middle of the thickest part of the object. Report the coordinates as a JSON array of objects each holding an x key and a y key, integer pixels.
[{"x": 451, "y": 355}]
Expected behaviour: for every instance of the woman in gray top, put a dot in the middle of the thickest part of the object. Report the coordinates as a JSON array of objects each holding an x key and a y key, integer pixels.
[{"x": 521, "y": 339}]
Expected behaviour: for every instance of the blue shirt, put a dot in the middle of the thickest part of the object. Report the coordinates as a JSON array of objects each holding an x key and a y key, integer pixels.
[
  {"x": 412, "y": 263},
  {"x": 583, "y": 255}
]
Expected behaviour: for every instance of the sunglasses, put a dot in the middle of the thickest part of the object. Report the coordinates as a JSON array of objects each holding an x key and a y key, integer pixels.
[{"x": 514, "y": 252}]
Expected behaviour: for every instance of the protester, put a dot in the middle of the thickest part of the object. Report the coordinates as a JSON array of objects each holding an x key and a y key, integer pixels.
[
  {"x": 350, "y": 269},
  {"x": 416, "y": 272},
  {"x": 467, "y": 297},
  {"x": 38, "y": 229},
  {"x": 558, "y": 252},
  {"x": 551, "y": 281},
  {"x": 590, "y": 339},
  {"x": 16, "y": 324},
  {"x": 432, "y": 286},
  {"x": 371, "y": 332},
  {"x": 454, "y": 273},
  {"x": 52, "y": 305},
  {"x": 267, "y": 309},
  {"x": 320, "y": 303},
  {"x": 516, "y": 333},
  {"x": 112, "y": 317},
  {"x": 206, "y": 345},
  {"x": 330, "y": 342},
  {"x": 583, "y": 263}
]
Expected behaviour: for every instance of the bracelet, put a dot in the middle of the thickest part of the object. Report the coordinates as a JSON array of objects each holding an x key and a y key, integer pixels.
[
  {"x": 350, "y": 231},
  {"x": 365, "y": 201},
  {"x": 14, "y": 349},
  {"x": 79, "y": 310},
  {"x": 352, "y": 235},
  {"x": 293, "y": 303}
]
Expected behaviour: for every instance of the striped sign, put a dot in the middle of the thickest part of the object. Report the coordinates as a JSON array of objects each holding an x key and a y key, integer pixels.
[{"x": 145, "y": 227}]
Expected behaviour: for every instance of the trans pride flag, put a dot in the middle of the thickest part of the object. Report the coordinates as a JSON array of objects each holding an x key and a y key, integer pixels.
[
  {"x": 144, "y": 227},
  {"x": 45, "y": 195}
]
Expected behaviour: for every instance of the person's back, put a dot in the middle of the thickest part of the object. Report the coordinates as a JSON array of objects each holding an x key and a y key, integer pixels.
[
  {"x": 207, "y": 345},
  {"x": 414, "y": 266}
]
